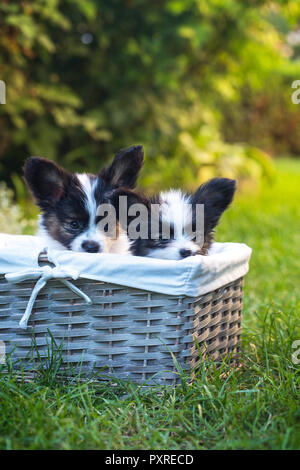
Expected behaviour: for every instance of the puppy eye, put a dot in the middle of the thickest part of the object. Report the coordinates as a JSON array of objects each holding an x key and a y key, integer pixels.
[{"x": 74, "y": 224}]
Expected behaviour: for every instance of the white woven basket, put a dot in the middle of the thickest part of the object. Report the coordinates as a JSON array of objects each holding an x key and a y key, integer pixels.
[{"x": 125, "y": 332}]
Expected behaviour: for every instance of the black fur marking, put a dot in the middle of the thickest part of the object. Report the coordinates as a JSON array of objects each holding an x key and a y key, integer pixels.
[
  {"x": 47, "y": 181},
  {"x": 216, "y": 195},
  {"x": 141, "y": 246}
]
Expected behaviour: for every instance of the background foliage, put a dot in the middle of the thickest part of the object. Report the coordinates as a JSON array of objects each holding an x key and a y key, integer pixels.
[{"x": 204, "y": 85}]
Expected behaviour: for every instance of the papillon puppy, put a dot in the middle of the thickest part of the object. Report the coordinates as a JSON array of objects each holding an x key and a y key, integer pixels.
[
  {"x": 179, "y": 229},
  {"x": 69, "y": 202}
]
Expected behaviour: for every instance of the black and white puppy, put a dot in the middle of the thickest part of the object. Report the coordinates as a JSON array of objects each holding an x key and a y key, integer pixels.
[
  {"x": 69, "y": 202},
  {"x": 177, "y": 210}
]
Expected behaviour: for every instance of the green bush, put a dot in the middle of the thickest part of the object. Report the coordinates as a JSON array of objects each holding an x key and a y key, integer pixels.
[
  {"x": 12, "y": 219},
  {"x": 202, "y": 155},
  {"x": 87, "y": 78},
  {"x": 262, "y": 113}
]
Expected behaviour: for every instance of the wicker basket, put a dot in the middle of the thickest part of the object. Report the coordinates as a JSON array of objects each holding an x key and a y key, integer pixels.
[{"x": 125, "y": 333}]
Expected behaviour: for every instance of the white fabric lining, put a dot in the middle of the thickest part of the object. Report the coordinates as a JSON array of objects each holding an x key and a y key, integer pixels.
[{"x": 192, "y": 276}]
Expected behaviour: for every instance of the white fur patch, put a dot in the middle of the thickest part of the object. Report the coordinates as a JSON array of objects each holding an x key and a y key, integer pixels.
[
  {"x": 177, "y": 212},
  {"x": 88, "y": 186},
  {"x": 107, "y": 245}
]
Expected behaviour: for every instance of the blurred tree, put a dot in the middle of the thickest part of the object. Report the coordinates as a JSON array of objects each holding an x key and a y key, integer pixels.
[
  {"x": 87, "y": 78},
  {"x": 262, "y": 112}
]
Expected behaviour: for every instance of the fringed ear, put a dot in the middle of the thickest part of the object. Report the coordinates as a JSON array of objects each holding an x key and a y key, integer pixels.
[
  {"x": 216, "y": 195},
  {"x": 46, "y": 180},
  {"x": 125, "y": 167}
]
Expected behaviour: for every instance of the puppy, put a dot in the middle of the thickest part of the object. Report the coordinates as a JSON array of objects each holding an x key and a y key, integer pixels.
[
  {"x": 180, "y": 229},
  {"x": 70, "y": 203}
]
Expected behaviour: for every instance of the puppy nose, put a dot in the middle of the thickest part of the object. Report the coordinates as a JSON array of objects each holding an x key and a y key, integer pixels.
[
  {"x": 184, "y": 253},
  {"x": 90, "y": 246}
]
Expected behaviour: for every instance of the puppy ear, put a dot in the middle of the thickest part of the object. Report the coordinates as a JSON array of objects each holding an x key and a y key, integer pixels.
[
  {"x": 216, "y": 195},
  {"x": 46, "y": 180},
  {"x": 125, "y": 167}
]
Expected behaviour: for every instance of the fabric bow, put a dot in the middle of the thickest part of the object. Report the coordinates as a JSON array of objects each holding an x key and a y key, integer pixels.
[{"x": 43, "y": 274}]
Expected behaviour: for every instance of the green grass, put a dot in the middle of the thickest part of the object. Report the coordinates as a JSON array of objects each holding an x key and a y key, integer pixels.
[{"x": 255, "y": 407}]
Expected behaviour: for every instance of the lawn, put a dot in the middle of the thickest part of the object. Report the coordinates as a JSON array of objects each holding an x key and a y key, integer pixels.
[{"x": 254, "y": 407}]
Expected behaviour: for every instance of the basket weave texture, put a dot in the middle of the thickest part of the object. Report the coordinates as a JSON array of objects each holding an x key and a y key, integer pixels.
[{"x": 126, "y": 333}]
